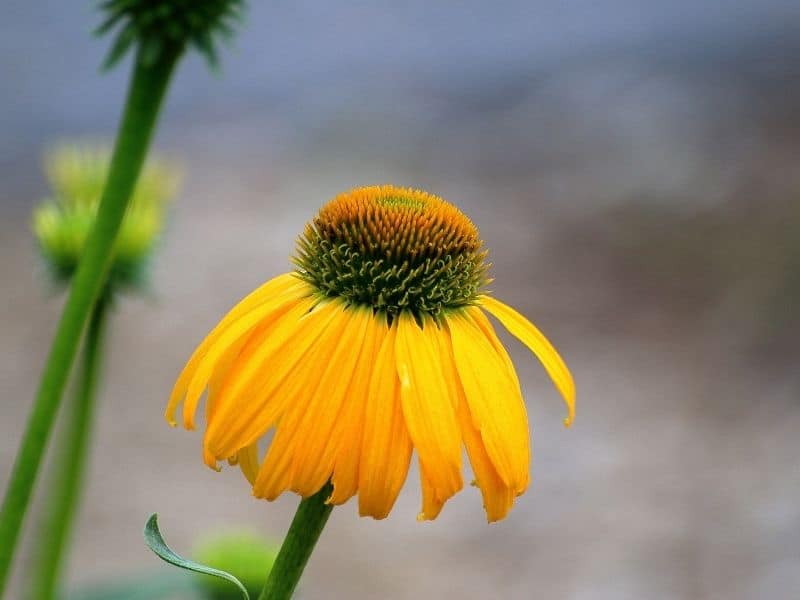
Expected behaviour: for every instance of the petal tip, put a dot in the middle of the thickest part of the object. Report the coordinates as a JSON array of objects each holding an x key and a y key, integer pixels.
[
  {"x": 169, "y": 414},
  {"x": 373, "y": 515},
  {"x": 211, "y": 460}
]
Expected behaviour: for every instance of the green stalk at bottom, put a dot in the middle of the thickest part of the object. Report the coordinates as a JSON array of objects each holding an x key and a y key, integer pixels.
[
  {"x": 69, "y": 464},
  {"x": 145, "y": 94},
  {"x": 306, "y": 527}
]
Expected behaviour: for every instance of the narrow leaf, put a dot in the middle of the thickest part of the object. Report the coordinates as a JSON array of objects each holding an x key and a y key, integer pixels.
[
  {"x": 108, "y": 24},
  {"x": 156, "y": 543},
  {"x": 124, "y": 41}
]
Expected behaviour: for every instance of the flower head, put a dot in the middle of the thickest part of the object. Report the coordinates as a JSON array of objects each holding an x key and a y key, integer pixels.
[
  {"x": 376, "y": 346},
  {"x": 77, "y": 174},
  {"x": 161, "y": 24}
]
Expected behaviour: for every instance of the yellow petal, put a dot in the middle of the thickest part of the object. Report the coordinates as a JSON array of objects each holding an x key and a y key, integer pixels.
[
  {"x": 498, "y": 498},
  {"x": 230, "y": 356},
  {"x": 494, "y": 400},
  {"x": 267, "y": 312},
  {"x": 529, "y": 335},
  {"x": 431, "y": 503},
  {"x": 263, "y": 383},
  {"x": 274, "y": 287},
  {"x": 482, "y": 321},
  {"x": 348, "y": 456},
  {"x": 386, "y": 445},
  {"x": 238, "y": 351},
  {"x": 210, "y": 459},
  {"x": 428, "y": 406},
  {"x": 275, "y": 474},
  {"x": 201, "y": 371},
  {"x": 248, "y": 461},
  {"x": 313, "y": 463}
]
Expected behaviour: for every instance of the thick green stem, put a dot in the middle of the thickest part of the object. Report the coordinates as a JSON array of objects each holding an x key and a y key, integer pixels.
[
  {"x": 307, "y": 525},
  {"x": 68, "y": 465},
  {"x": 147, "y": 88}
]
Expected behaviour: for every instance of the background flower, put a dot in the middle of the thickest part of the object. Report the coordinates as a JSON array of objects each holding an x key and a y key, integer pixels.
[{"x": 76, "y": 174}]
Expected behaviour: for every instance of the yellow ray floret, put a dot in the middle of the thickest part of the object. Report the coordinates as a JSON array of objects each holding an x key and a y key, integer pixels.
[
  {"x": 351, "y": 396},
  {"x": 529, "y": 335}
]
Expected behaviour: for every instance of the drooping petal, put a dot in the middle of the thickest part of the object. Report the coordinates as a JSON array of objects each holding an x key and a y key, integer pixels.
[
  {"x": 482, "y": 321},
  {"x": 225, "y": 415},
  {"x": 494, "y": 400},
  {"x": 529, "y": 335},
  {"x": 238, "y": 351},
  {"x": 206, "y": 364},
  {"x": 427, "y": 405},
  {"x": 262, "y": 383},
  {"x": 266, "y": 313},
  {"x": 386, "y": 445},
  {"x": 248, "y": 461},
  {"x": 431, "y": 502},
  {"x": 348, "y": 455},
  {"x": 242, "y": 346},
  {"x": 274, "y": 287},
  {"x": 210, "y": 459},
  {"x": 498, "y": 498},
  {"x": 313, "y": 462},
  {"x": 275, "y": 474}
]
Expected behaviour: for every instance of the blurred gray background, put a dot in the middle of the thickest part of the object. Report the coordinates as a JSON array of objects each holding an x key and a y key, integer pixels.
[{"x": 633, "y": 169}]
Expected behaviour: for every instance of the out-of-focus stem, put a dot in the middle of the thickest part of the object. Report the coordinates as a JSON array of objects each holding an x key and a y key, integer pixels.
[
  {"x": 70, "y": 454},
  {"x": 148, "y": 85}
]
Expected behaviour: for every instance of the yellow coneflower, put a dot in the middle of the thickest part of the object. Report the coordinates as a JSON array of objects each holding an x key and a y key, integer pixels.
[{"x": 376, "y": 345}]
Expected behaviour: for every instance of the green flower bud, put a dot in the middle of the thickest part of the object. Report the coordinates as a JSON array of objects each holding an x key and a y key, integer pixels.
[
  {"x": 61, "y": 224},
  {"x": 245, "y": 556}
]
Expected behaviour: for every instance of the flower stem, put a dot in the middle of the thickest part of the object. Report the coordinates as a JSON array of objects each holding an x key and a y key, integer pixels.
[
  {"x": 147, "y": 88},
  {"x": 70, "y": 460},
  {"x": 307, "y": 525}
]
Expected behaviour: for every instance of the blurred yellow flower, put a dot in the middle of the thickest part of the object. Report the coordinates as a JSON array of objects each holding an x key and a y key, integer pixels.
[
  {"x": 375, "y": 346},
  {"x": 77, "y": 174}
]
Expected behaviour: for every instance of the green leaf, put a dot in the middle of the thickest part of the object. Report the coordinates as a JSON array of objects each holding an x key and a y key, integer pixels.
[
  {"x": 156, "y": 543},
  {"x": 121, "y": 45}
]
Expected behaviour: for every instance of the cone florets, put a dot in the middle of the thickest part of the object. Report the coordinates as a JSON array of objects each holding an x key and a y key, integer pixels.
[{"x": 393, "y": 249}]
